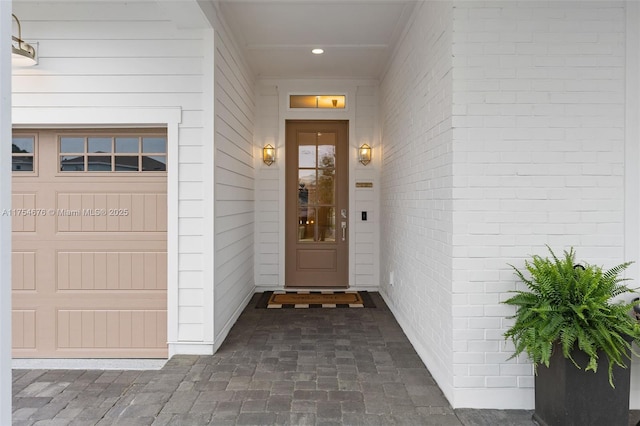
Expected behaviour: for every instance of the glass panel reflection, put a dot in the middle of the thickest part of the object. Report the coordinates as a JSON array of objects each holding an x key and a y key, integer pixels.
[
  {"x": 154, "y": 163},
  {"x": 72, "y": 163},
  {"x": 99, "y": 145},
  {"x": 306, "y": 187},
  {"x": 326, "y": 159},
  {"x": 306, "y": 224},
  {"x": 326, "y": 186},
  {"x": 307, "y": 150},
  {"x": 316, "y": 187},
  {"x": 126, "y": 163},
  {"x": 21, "y": 145},
  {"x": 326, "y": 224},
  {"x": 23, "y": 163},
  {"x": 127, "y": 145},
  {"x": 326, "y": 150},
  {"x": 156, "y": 145},
  {"x": 68, "y": 144},
  {"x": 99, "y": 163}
]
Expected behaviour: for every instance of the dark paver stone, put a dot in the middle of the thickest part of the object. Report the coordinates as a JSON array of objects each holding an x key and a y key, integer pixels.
[
  {"x": 329, "y": 410},
  {"x": 286, "y": 367}
]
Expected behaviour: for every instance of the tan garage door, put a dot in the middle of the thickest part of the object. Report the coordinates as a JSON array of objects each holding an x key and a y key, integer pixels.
[{"x": 89, "y": 214}]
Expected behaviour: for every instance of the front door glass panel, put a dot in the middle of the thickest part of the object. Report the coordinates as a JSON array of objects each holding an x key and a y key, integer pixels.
[{"x": 316, "y": 187}]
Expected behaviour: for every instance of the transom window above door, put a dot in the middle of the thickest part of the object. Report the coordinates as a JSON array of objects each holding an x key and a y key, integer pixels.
[
  {"x": 106, "y": 153},
  {"x": 317, "y": 101}
]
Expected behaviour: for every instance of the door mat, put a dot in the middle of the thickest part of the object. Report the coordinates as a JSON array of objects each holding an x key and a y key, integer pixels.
[{"x": 315, "y": 299}]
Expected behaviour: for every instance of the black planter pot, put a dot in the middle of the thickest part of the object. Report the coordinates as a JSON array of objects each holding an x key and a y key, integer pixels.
[{"x": 568, "y": 396}]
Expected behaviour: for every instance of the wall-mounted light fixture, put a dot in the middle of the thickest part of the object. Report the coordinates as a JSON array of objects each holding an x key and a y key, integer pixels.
[
  {"x": 364, "y": 154},
  {"x": 22, "y": 53},
  {"x": 268, "y": 154}
]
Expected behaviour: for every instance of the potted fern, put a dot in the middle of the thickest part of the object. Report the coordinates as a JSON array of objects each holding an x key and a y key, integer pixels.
[{"x": 578, "y": 338}]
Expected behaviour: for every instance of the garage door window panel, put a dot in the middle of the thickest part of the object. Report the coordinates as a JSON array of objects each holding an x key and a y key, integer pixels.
[
  {"x": 113, "y": 154},
  {"x": 23, "y": 154}
]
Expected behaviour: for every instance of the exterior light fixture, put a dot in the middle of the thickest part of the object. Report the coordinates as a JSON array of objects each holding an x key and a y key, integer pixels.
[
  {"x": 22, "y": 53},
  {"x": 317, "y": 51},
  {"x": 268, "y": 154},
  {"x": 364, "y": 154}
]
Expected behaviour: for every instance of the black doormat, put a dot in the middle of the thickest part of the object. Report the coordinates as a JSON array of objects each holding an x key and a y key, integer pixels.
[{"x": 314, "y": 299}]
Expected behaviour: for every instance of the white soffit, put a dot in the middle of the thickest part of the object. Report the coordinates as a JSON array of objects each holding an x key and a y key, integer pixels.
[{"x": 277, "y": 36}]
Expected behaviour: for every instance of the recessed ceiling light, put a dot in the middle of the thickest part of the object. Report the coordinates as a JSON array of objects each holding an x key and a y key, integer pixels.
[{"x": 317, "y": 51}]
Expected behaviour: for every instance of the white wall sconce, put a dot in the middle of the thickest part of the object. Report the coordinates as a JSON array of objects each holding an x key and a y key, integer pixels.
[
  {"x": 22, "y": 53},
  {"x": 268, "y": 154},
  {"x": 364, "y": 154}
]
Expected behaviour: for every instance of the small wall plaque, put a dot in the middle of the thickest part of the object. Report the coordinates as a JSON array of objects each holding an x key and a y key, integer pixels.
[{"x": 364, "y": 184}]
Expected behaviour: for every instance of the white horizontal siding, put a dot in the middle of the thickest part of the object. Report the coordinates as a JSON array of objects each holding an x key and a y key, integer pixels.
[
  {"x": 234, "y": 182},
  {"x": 367, "y": 233},
  {"x": 268, "y": 191},
  {"x": 122, "y": 55}
]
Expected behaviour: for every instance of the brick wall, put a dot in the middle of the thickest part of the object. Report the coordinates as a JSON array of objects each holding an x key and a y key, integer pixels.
[
  {"x": 416, "y": 187},
  {"x": 502, "y": 133},
  {"x": 538, "y": 141}
]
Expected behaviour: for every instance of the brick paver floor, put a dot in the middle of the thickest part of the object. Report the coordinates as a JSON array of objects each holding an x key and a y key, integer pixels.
[{"x": 277, "y": 367}]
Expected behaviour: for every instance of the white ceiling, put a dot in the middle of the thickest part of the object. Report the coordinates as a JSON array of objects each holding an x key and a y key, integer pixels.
[{"x": 358, "y": 36}]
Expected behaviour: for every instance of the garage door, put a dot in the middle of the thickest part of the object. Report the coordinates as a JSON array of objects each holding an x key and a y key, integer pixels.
[{"x": 89, "y": 214}]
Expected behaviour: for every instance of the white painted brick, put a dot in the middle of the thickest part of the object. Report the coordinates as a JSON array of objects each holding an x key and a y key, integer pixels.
[
  {"x": 190, "y": 209},
  {"x": 190, "y": 244},
  {"x": 190, "y": 297},
  {"x": 190, "y": 332},
  {"x": 499, "y": 357},
  {"x": 526, "y": 382},
  {"x": 484, "y": 370},
  {"x": 190, "y": 226},
  {"x": 469, "y": 358},
  {"x": 190, "y": 279},
  {"x": 460, "y": 345},
  {"x": 469, "y": 382},
  {"x": 497, "y": 310},
  {"x": 191, "y": 315},
  {"x": 496, "y": 334},
  {"x": 190, "y": 191},
  {"x": 190, "y": 261},
  {"x": 467, "y": 335},
  {"x": 502, "y": 382},
  {"x": 516, "y": 369},
  {"x": 563, "y": 99}
]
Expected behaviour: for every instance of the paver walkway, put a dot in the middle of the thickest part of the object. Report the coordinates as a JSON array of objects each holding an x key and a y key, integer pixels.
[{"x": 284, "y": 367}]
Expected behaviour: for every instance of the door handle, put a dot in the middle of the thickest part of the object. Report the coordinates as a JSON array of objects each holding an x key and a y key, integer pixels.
[
  {"x": 344, "y": 230},
  {"x": 343, "y": 213}
]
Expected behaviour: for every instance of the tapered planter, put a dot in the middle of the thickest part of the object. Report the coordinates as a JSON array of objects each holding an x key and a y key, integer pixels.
[{"x": 568, "y": 396}]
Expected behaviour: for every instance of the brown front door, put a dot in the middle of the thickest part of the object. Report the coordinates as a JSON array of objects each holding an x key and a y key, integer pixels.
[{"x": 317, "y": 198}]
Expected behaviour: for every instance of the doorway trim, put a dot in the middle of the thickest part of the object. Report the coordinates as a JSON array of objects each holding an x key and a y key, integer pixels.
[
  {"x": 318, "y": 263},
  {"x": 290, "y": 87}
]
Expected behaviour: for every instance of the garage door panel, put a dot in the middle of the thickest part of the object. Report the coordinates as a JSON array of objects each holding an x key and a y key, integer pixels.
[
  {"x": 23, "y": 267},
  {"x": 23, "y": 215},
  {"x": 23, "y": 329},
  {"x": 90, "y": 274},
  {"x": 108, "y": 212},
  {"x": 111, "y": 270},
  {"x": 111, "y": 329}
]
